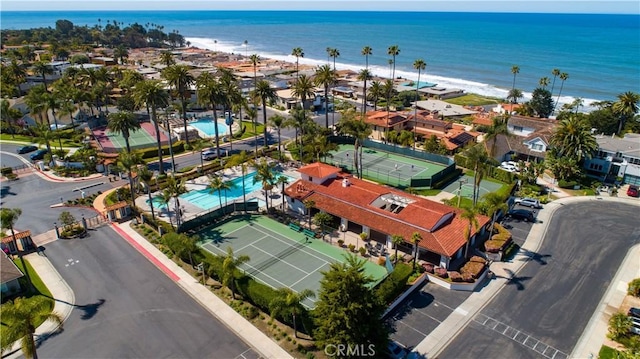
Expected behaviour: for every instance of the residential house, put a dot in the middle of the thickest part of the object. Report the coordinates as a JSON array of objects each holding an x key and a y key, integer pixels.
[
  {"x": 9, "y": 276},
  {"x": 528, "y": 140},
  {"x": 382, "y": 122},
  {"x": 427, "y": 123},
  {"x": 445, "y": 110},
  {"x": 616, "y": 158},
  {"x": 23, "y": 243},
  {"x": 364, "y": 207}
]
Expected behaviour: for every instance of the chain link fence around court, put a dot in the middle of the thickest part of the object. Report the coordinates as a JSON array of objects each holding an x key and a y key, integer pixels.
[
  {"x": 373, "y": 169},
  {"x": 204, "y": 219}
]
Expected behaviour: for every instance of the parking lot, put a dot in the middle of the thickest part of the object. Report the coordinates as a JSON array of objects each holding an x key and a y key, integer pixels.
[{"x": 428, "y": 306}]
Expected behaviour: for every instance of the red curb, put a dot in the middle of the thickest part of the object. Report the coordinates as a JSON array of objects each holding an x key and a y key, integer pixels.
[{"x": 146, "y": 253}]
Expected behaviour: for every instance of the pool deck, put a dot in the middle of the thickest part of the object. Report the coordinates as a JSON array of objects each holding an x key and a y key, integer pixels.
[{"x": 191, "y": 211}]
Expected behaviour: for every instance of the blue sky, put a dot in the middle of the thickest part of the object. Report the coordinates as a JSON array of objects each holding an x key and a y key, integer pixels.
[{"x": 545, "y": 6}]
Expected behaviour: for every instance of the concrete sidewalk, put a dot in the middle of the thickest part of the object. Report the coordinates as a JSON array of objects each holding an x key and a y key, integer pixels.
[
  {"x": 60, "y": 291},
  {"x": 594, "y": 334}
]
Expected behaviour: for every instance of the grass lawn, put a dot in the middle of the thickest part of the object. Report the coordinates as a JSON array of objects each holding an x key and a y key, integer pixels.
[
  {"x": 474, "y": 100},
  {"x": 607, "y": 353},
  {"x": 29, "y": 140},
  {"x": 39, "y": 288}
]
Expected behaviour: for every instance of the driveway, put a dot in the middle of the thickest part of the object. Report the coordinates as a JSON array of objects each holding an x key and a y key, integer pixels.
[
  {"x": 126, "y": 308},
  {"x": 545, "y": 307}
]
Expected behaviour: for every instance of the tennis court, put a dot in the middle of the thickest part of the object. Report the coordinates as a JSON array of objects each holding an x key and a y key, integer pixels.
[
  {"x": 464, "y": 185},
  {"x": 113, "y": 142},
  {"x": 387, "y": 167},
  {"x": 279, "y": 256}
]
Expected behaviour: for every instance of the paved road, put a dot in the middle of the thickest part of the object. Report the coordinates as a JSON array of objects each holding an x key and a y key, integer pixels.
[
  {"x": 547, "y": 305},
  {"x": 35, "y": 196},
  {"x": 127, "y": 308}
]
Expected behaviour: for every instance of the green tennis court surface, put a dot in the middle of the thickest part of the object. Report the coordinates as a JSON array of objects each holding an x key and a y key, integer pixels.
[
  {"x": 466, "y": 187},
  {"x": 279, "y": 256},
  {"x": 386, "y": 167},
  {"x": 137, "y": 139}
]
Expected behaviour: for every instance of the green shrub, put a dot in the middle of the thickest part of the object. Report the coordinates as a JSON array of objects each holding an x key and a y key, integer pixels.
[
  {"x": 6, "y": 170},
  {"x": 567, "y": 184},
  {"x": 257, "y": 293},
  {"x": 151, "y": 152},
  {"x": 634, "y": 288},
  {"x": 394, "y": 284}
]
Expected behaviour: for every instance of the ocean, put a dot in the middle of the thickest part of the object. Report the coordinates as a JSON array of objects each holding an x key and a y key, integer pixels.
[{"x": 471, "y": 51}]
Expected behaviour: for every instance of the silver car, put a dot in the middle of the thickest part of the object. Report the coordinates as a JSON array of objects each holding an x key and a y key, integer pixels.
[{"x": 528, "y": 202}]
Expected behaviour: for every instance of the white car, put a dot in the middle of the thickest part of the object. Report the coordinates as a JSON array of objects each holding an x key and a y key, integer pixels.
[
  {"x": 212, "y": 154},
  {"x": 508, "y": 168},
  {"x": 528, "y": 202}
]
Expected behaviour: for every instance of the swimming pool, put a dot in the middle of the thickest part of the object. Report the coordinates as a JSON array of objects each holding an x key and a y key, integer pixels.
[
  {"x": 207, "y": 127},
  {"x": 206, "y": 199}
]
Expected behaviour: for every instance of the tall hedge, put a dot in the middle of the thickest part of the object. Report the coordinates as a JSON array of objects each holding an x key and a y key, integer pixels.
[{"x": 394, "y": 284}]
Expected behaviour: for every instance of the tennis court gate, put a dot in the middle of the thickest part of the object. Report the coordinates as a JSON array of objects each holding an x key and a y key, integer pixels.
[{"x": 213, "y": 216}]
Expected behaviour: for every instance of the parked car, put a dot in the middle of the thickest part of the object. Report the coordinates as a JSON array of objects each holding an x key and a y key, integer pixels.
[
  {"x": 634, "y": 312},
  {"x": 212, "y": 154},
  {"x": 27, "y": 149},
  {"x": 396, "y": 351},
  {"x": 508, "y": 167},
  {"x": 633, "y": 191},
  {"x": 521, "y": 214},
  {"x": 528, "y": 202},
  {"x": 39, "y": 154}
]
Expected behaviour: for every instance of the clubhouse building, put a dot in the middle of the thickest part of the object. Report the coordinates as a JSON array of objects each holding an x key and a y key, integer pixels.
[{"x": 381, "y": 212}]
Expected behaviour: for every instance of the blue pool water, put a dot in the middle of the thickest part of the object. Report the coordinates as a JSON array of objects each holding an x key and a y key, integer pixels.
[
  {"x": 208, "y": 126},
  {"x": 206, "y": 200}
]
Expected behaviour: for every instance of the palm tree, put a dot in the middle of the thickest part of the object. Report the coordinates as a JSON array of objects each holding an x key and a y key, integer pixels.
[
  {"x": 45, "y": 135},
  {"x": 180, "y": 79},
  {"x": 470, "y": 214},
  {"x": 478, "y": 157},
  {"x": 123, "y": 123},
  {"x": 246, "y": 47},
  {"x": 255, "y": 60},
  {"x": 499, "y": 127},
  {"x": 166, "y": 58},
  {"x": 563, "y": 76},
  {"x": 573, "y": 139},
  {"x": 514, "y": 70},
  {"x": 325, "y": 77},
  {"x": 43, "y": 69},
  {"x": 543, "y": 82},
  {"x": 495, "y": 204},
  {"x": 264, "y": 175},
  {"x": 266, "y": 94},
  {"x": 287, "y": 301},
  {"x": 152, "y": 94},
  {"x": 197, "y": 146},
  {"x": 320, "y": 146},
  {"x": 397, "y": 240},
  {"x": 35, "y": 100},
  {"x": 415, "y": 239},
  {"x": 243, "y": 160},
  {"x": 52, "y": 103},
  {"x": 9, "y": 115},
  {"x": 176, "y": 188},
  {"x": 21, "y": 317},
  {"x": 128, "y": 161},
  {"x": 217, "y": 184},
  {"x": 364, "y": 75},
  {"x": 393, "y": 51},
  {"x": 333, "y": 53},
  {"x": 303, "y": 89},
  {"x": 278, "y": 121},
  {"x": 352, "y": 126},
  {"x": 366, "y": 52},
  {"x": 555, "y": 73},
  {"x": 308, "y": 205},
  {"x": 626, "y": 108},
  {"x": 230, "y": 265},
  {"x": 146, "y": 176},
  {"x": 298, "y": 53},
  {"x": 375, "y": 92},
  {"x": 298, "y": 120},
  {"x": 164, "y": 199},
  {"x": 210, "y": 93},
  {"x": 230, "y": 95},
  {"x": 283, "y": 180},
  {"x": 419, "y": 65},
  {"x": 8, "y": 218}
]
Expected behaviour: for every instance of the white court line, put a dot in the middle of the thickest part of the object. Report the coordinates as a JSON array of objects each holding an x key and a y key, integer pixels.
[
  {"x": 265, "y": 274},
  {"x": 280, "y": 259},
  {"x": 300, "y": 249},
  {"x": 250, "y": 244},
  {"x": 308, "y": 274}
]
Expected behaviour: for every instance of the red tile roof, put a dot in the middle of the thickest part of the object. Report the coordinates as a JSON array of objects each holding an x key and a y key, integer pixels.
[
  {"x": 318, "y": 170},
  {"x": 441, "y": 227},
  {"x": 384, "y": 119}
]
